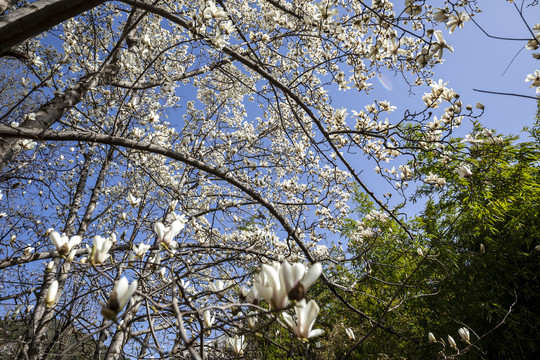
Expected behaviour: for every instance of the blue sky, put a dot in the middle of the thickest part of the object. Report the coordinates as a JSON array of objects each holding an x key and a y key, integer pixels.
[{"x": 479, "y": 62}]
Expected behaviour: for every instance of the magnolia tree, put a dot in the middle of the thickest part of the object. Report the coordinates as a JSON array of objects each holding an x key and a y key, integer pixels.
[{"x": 174, "y": 174}]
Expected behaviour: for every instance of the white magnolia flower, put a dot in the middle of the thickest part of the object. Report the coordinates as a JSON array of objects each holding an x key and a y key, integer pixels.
[
  {"x": 535, "y": 79},
  {"x": 325, "y": 12},
  {"x": 252, "y": 320},
  {"x": 279, "y": 283},
  {"x": 305, "y": 318},
  {"x": 237, "y": 344},
  {"x": 219, "y": 287},
  {"x": 465, "y": 335},
  {"x": 166, "y": 234},
  {"x": 350, "y": 334},
  {"x": 162, "y": 272},
  {"x": 135, "y": 303},
  {"x": 457, "y": 20},
  {"x": 412, "y": 9},
  {"x": 440, "y": 15},
  {"x": 50, "y": 298},
  {"x": 253, "y": 296},
  {"x": 472, "y": 140},
  {"x": 141, "y": 249},
  {"x": 132, "y": 200},
  {"x": 208, "y": 318},
  {"x": 532, "y": 44},
  {"x": 437, "y": 47},
  {"x": 243, "y": 292},
  {"x": 212, "y": 11},
  {"x": 28, "y": 250},
  {"x": 155, "y": 261},
  {"x": 120, "y": 295},
  {"x": 270, "y": 287},
  {"x": 393, "y": 49},
  {"x": 36, "y": 61},
  {"x": 27, "y": 144},
  {"x": 99, "y": 253},
  {"x": 463, "y": 171},
  {"x": 431, "y": 337},
  {"x": 63, "y": 243}
]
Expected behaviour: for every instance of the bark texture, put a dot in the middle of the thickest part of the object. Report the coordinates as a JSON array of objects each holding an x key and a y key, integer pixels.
[{"x": 38, "y": 17}]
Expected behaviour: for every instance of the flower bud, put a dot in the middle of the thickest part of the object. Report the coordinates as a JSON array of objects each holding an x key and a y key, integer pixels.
[
  {"x": 50, "y": 298},
  {"x": 452, "y": 342},
  {"x": 465, "y": 335}
]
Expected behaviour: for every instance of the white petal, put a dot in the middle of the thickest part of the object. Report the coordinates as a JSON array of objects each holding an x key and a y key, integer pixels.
[
  {"x": 306, "y": 318},
  {"x": 74, "y": 241},
  {"x": 316, "y": 332},
  {"x": 312, "y": 275},
  {"x": 174, "y": 229},
  {"x": 56, "y": 239},
  {"x": 126, "y": 295},
  {"x": 298, "y": 272},
  {"x": 272, "y": 277},
  {"x": 121, "y": 287},
  {"x": 265, "y": 292},
  {"x": 159, "y": 228},
  {"x": 289, "y": 320}
]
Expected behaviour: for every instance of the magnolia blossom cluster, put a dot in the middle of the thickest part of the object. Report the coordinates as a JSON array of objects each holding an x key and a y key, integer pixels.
[
  {"x": 463, "y": 332},
  {"x": 434, "y": 179},
  {"x": 98, "y": 254}
]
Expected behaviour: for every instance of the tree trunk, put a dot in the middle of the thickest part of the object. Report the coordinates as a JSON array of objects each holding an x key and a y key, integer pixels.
[{"x": 38, "y": 17}]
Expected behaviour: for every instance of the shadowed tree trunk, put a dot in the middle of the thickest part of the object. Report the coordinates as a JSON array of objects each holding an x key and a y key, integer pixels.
[{"x": 33, "y": 19}]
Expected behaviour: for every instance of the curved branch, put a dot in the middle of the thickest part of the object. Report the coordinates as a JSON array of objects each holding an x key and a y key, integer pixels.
[{"x": 38, "y": 17}]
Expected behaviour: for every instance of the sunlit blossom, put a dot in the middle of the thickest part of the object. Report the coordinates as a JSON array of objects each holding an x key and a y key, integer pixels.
[
  {"x": 141, "y": 249},
  {"x": 280, "y": 282},
  {"x": 133, "y": 201},
  {"x": 63, "y": 243},
  {"x": 440, "y": 44},
  {"x": 535, "y": 80},
  {"x": 305, "y": 318},
  {"x": 119, "y": 297},
  {"x": 99, "y": 253},
  {"x": 167, "y": 234},
  {"x": 457, "y": 21}
]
